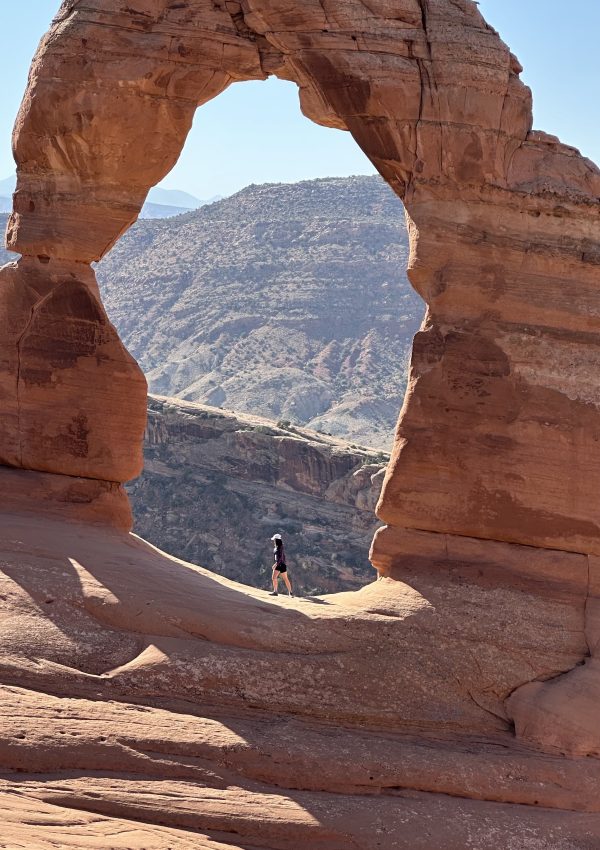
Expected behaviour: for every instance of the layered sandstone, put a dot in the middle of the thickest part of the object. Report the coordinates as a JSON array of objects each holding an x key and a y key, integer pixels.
[
  {"x": 145, "y": 690},
  {"x": 471, "y": 666},
  {"x": 70, "y": 391}
]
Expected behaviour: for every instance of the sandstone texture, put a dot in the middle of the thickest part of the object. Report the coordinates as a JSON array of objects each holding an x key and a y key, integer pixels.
[
  {"x": 67, "y": 384},
  {"x": 287, "y": 301},
  {"x": 160, "y": 203},
  {"x": 143, "y": 695},
  {"x": 450, "y": 704},
  {"x": 217, "y": 486}
]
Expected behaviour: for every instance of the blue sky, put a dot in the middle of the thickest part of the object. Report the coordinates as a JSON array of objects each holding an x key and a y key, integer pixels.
[{"x": 556, "y": 44}]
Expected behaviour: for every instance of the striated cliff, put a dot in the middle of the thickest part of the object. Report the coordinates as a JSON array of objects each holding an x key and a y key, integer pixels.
[{"x": 217, "y": 485}]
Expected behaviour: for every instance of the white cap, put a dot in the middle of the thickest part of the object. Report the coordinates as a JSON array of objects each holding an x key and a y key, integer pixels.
[{"x": 276, "y": 537}]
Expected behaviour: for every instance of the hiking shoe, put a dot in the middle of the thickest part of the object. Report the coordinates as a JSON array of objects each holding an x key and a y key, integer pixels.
[
  {"x": 291, "y": 595},
  {"x": 273, "y": 593}
]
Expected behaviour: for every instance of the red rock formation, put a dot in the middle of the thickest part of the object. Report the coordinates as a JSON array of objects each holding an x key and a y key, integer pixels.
[
  {"x": 73, "y": 398},
  {"x": 140, "y": 688},
  {"x": 490, "y": 496}
]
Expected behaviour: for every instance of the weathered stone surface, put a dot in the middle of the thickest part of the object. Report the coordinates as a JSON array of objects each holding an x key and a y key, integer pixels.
[
  {"x": 498, "y": 440},
  {"x": 139, "y": 687},
  {"x": 398, "y": 551},
  {"x": 217, "y": 485},
  {"x": 85, "y": 500},
  {"x": 562, "y": 714},
  {"x": 71, "y": 394},
  {"x": 499, "y": 434}
]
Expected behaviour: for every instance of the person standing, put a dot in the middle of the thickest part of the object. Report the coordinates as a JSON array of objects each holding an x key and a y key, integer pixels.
[{"x": 279, "y": 566}]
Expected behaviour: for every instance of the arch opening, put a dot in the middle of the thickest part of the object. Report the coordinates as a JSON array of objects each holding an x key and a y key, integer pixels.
[{"x": 286, "y": 301}]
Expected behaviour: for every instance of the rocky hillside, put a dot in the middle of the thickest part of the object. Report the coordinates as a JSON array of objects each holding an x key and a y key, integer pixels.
[
  {"x": 216, "y": 487},
  {"x": 288, "y": 301}
]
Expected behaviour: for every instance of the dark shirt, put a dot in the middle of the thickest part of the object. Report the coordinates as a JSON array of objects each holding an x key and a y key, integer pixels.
[{"x": 279, "y": 553}]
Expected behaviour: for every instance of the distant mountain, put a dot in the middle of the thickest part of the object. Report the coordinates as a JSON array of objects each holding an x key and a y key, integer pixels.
[
  {"x": 7, "y": 186},
  {"x": 161, "y": 211},
  {"x": 5, "y": 256},
  {"x": 174, "y": 198},
  {"x": 287, "y": 301}
]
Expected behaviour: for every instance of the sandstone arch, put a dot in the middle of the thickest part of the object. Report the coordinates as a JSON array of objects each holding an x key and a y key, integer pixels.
[
  {"x": 502, "y": 224},
  {"x": 490, "y": 500}
]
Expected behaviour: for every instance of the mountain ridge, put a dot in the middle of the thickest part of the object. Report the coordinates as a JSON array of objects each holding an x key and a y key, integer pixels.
[
  {"x": 286, "y": 300},
  {"x": 289, "y": 301}
]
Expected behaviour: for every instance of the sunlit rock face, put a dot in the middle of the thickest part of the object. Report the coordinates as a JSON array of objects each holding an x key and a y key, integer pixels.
[{"x": 474, "y": 654}]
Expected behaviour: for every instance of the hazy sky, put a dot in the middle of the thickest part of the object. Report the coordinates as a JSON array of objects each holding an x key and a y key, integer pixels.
[{"x": 254, "y": 132}]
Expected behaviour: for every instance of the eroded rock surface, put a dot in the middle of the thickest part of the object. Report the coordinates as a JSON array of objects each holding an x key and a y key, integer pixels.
[
  {"x": 143, "y": 689},
  {"x": 70, "y": 391},
  {"x": 486, "y": 620}
]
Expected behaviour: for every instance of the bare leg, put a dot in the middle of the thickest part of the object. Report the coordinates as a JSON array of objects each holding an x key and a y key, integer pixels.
[
  {"x": 275, "y": 580},
  {"x": 287, "y": 582}
]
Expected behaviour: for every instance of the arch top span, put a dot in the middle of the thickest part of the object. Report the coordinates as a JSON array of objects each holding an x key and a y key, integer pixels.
[
  {"x": 427, "y": 89},
  {"x": 501, "y": 222}
]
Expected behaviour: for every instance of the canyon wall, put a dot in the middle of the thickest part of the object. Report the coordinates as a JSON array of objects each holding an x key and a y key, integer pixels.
[{"x": 217, "y": 485}]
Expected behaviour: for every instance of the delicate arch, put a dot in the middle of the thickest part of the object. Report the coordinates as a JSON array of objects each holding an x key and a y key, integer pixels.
[
  {"x": 499, "y": 436},
  {"x": 433, "y": 97}
]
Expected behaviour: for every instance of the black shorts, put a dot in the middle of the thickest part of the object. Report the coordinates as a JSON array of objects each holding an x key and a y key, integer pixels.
[{"x": 281, "y": 568}]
